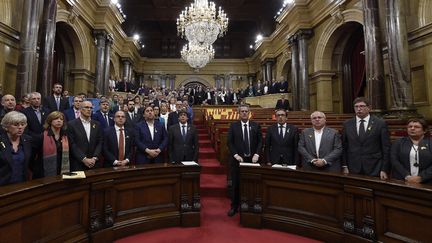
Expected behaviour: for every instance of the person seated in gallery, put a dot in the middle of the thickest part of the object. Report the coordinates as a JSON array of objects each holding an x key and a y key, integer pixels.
[
  {"x": 411, "y": 156},
  {"x": 15, "y": 149},
  {"x": 282, "y": 103}
]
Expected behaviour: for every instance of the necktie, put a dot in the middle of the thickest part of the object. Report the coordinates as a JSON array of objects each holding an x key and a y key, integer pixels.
[
  {"x": 246, "y": 140},
  {"x": 281, "y": 131},
  {"x": 184, "y": 132},
  {"x": 121, "y": 145},
  {"x": 77, "y": 114},
  {"x": 38, "y": 114},
  {"x": 106, "y": 119},
  {"x": 58, "y": 103},
  {"x": 362, "y": 132}
]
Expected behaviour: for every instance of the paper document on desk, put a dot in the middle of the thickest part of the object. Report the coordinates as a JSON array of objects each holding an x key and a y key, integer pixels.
[
  {"x": 74, "y": 175},
  {"x": 249, "y": 164},
  {"x": 189, "y": 163},
  {"x": 292, "y": 167}
]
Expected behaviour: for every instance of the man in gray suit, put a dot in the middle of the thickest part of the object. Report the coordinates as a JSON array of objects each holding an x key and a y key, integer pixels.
[
  {"x": 320, "y": 146},
  {"x": 366, "y": 142}
]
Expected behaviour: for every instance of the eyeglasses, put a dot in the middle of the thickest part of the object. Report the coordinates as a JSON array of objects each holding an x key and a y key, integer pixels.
[
  {"x": 360, "y": 106},
  {"x": 88, "y": 107}
]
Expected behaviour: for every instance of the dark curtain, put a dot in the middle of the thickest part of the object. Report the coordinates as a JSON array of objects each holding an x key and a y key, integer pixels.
[{"x": 358, "y": 67}]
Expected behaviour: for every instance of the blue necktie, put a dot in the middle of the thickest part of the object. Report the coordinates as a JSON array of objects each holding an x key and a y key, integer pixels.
[{"x": 184, "y": 132}]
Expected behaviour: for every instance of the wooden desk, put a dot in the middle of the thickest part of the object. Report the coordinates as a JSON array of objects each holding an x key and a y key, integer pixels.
[
  {"x": 109, "y": 204},
  {"x": 335, "y": 207}
]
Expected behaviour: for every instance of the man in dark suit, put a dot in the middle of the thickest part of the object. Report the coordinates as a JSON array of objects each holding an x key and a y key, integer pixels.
[
  {"x": 74, "y": 112},
  {"x": 174, "y": 116},
  {"x": 8, "y": 104},
  {"x": 320, "y": 146},
  {"x": 282, "y": 103},
  {"x": 56, "y": 102},
  {"x": 85, "y": 140},
  {"x": 36, "y": 115},
  {"x": 104, "y": 116},
  {"x": 244, "y": 143},
  {"x": 151, "y": 139},
  {"x": 281, "y": 141},
  {"x": 182, "y": 140},
  {"x": 118, "y": 140},
  {"x": 366, "y": 142},
  {"x": 132, "y": 118}
]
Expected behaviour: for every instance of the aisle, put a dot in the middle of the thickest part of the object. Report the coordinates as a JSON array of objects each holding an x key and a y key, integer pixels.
[{"x": 216, "y": 226}]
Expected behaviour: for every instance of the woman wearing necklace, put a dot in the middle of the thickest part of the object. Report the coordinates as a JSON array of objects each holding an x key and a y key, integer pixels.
[{"x": 411, "y": 156}]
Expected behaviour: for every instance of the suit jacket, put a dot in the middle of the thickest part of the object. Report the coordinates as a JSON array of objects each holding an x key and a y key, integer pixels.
[
  {"x": 111, "y": 145},
  {"x": 282, "y": 150},
  {"x": 98, "y": 116},
  {"x": 370, "y": 155},
  {"x": 131, "y": 123},
  {"x": 34, "y": 127},
  {"x": 80, "y": 146},
  {"x": 400, "y": 151},
  {"x": 6, "y": 157},
  {"x": 69, "y": 114},
  {"x": 180, "y": 149},
  {"x": 51, "y": 104},
  {"x": 143, "y": 141},
  {"x": 330, "y": 149},
  {"x": 235, "y": 138},
  {"x": 282, "y": 105}
]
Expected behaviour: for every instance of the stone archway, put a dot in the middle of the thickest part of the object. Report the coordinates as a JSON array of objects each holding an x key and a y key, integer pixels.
[{"x": 195, "y": 80}]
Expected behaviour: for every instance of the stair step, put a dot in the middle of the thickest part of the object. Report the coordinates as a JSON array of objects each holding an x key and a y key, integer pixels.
[
  {"x": 211, "y": 166},
  {"x": 207, "y": 153},
  {"x": 213, "y": 185}
]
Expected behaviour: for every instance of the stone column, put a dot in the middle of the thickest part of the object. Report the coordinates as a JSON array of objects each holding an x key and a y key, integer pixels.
[
  {"x": 373, "y": 56},
  {"x": 172, "y": 81},
  {"x": 303, "y": 35},
  {"x": 292, "y": 42},
  {"x": 28, "y": 42},
  {"x": 228, "y": 81},
  {"x": 108, "y": 43},
  {"x": 100, "y": 36},
  {"x": 217, "y": 79},
  {"x": 140, "y": 79},
  {"x": 269, "y": 69},
  {"x": 126, "y": 68},
  {"x": 46, "y": 54},
  {"x": 400, "y": 73},
  {"x": 251, "y": 78},
  {"x": 263, "y": 71}
]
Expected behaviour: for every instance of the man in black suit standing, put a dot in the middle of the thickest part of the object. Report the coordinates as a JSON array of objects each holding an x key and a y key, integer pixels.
[
  {"x": 366, "y": 142},
  {"x": 36, "y": 115},
  {"x": 282, "y": 103},
  {"x": 244, "y": 143},
  {"x": 182, "y": 140},
  {"x": 85, "y": 139},
  {"x": 132, "y": 118},
  {"x": 281, "y": 141},
  {"x": 174, "y": 116},
  {"x": 117, "y": 147},
  {"x": 320, "y": 146},
  {"x": 104, "y": 116},
  {"x": 56, "y": 102}
]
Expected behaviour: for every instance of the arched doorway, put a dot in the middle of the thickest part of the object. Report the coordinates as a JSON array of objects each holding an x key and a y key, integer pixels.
[
  {"x": 64, "y": 56},
  {"x": 349, "y": 61}
]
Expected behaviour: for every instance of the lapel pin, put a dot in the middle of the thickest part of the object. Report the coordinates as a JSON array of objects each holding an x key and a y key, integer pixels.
[
  {"x": 423, "y": 148},
  {"x": 310, "y": 136},
  {"x": 369, "y": 128},
  {"x": 3, "y": 145},
  {"x": 94, "y": 126}
]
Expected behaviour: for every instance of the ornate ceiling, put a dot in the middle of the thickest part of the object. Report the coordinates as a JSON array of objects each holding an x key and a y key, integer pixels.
[{"x": 155, "y": 22}]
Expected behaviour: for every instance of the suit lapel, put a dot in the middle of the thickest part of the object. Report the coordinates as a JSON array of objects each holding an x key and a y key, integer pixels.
[
  {"x": 311, "y": 136},
  {"x": 82, "y": 130}
]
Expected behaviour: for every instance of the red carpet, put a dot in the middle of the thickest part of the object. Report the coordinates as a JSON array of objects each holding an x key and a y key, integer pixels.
[{"x": 216, "y": 226}]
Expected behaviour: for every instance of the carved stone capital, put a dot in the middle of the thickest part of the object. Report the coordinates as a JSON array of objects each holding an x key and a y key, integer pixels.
[{"x": 304, "y": 33}]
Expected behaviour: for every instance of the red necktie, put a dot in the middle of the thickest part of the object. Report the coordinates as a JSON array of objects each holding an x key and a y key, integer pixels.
[{"x": 121, "y": 145}]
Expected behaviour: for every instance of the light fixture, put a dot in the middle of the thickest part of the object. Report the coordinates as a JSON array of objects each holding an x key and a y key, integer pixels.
[
  {"x": 200, "y": 23},
  {"x": 196, "y": 55},
  {"x": 136, "y": 37}
]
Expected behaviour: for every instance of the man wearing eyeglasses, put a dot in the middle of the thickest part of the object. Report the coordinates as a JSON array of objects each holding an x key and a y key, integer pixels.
[
  {"x": 281, "y": 141},
  {"x": 366, "y": 143},
  {"x": 320, "y": 146},
  {"x": 244, "y": 143},
  {"x": 85, "y": 139}
]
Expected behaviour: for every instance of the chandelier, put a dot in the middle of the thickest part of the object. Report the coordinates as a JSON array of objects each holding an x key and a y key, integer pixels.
[
  {"x": 200, "y": 24},
  {"x": 196, "y": 55}
]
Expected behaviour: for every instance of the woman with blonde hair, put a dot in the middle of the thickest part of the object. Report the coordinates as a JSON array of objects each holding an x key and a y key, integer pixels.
[{"x": 55, "y": 145}]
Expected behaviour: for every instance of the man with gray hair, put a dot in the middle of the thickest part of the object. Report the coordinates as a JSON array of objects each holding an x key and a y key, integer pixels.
[
  {"x": 320, "y": 146},
  {"x": 8, "y": 104},
  {"x": 36, "y": 115}
]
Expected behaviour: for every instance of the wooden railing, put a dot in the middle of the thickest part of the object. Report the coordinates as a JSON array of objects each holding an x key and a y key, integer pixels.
[
  {"x": 335, "y": 207},
  {"x": 109, "y": 204}
]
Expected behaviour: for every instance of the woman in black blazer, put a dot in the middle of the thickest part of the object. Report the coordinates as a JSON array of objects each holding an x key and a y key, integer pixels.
[
  {"x": 15, "y": 149},
  {"x": 411, "y": 156}
]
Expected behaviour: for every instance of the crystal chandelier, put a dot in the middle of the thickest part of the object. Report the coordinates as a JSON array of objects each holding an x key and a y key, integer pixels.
[
  {"x": 200, "y": 24},
  {"x": 196, "y": 55}
]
